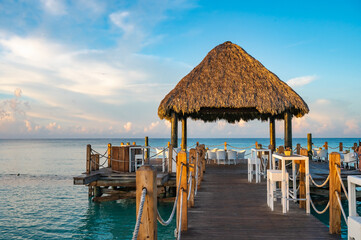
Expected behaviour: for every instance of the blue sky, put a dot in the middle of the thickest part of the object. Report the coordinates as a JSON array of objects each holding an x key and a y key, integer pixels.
[{"x": 91, "y": 68}]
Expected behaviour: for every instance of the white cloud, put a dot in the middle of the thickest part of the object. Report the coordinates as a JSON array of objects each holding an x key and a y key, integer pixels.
[
  {"x": 301, "y": 81},
  {"x": 128, "y": 126},
  {"x": 122, "y": 20},
  {"x": 55, "y": 7},
  {"x": 151, "y": 126}
]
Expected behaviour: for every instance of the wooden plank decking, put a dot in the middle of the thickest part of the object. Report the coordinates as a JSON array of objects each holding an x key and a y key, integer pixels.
[{"x": 228, "y": 207}]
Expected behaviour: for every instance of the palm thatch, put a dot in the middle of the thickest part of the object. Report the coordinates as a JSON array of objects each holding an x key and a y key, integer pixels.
[{"x": 230, "y": 84}]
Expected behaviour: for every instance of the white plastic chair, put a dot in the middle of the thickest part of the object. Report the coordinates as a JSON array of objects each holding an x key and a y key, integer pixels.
[
  {"x": 350, "y": 158},
  {"x": 211, "y": 156},
  {"x": 322, "y": 154},
  {"x": 254, "y": 166},
  {"x": 221, "y": 156},
  {"x": 240, "y": 154},
  {"x": 274, "y": 176},
  {"x": 232, "y": 156}
]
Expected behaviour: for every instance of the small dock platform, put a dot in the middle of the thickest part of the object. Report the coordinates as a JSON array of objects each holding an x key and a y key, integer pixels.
[
  {"x": 107, "y": 177},
  {"x": 228, "y": 207}
]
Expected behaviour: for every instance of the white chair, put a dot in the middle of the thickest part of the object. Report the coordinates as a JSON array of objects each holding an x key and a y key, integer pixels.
[
  {"x": 138, "y": 160},
  {"x": 254, "y": 165},
  {"x": 211, "y": 156},
  {"x": 221, "y": 156},
  {"x": 232, "y": 156},
  {"x": 274, "y": 176},
  {"x": 350, "y": 158},
  {"x": 240, "y": 154},
  {"x": 322, "y": 155}
]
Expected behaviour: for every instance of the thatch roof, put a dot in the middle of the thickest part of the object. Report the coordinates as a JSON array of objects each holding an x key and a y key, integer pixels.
[{"x": 230, "y": 84}]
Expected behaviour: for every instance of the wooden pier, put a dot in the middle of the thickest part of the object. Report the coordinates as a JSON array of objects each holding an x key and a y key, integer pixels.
[{"x": 228, "y": 207}]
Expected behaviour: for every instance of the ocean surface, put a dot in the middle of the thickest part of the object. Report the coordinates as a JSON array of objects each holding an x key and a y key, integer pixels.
[{"x": 39, "y": 201}]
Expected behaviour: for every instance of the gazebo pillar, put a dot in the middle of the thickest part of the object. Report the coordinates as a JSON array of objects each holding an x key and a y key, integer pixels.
[
  {"x": 288, "y": 130},
  {"x": 174, "y": 130},
  {"x": 184, "y": 134},
  {"x": 272, "y": 133}
]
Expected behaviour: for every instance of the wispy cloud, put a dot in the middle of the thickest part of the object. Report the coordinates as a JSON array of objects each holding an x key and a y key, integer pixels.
[
  {"x": 301, "y": 81},
  {"x": 55, "y": 7}
]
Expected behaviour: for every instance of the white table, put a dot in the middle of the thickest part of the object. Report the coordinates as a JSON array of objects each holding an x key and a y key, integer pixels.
[
  {"x": 263, "y": 151},
  {"x": 283, "y": 158}
]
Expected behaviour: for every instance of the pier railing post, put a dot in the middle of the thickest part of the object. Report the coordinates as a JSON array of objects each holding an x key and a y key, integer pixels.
[
  {"x": 88, "y": 158},
  {"x": 309, "y": 145},
  {"x": 170, "y": 157},
  {"x": 302, "y": 169},
  {"x": 109, "y": 155},
  {"x": 298, "y": 149},
  {"x": 146, "y": 144},
  {"x": 182, "y": 164},
  {"x": 340, "y": 147},
  {"x": 146, "y": 177},
  {"x": 334, "y": 185},
  {"x": 192, "y": 172}
]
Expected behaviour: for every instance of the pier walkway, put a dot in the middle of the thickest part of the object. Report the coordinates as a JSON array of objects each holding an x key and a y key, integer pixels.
[{"x": 228, "y": 207}]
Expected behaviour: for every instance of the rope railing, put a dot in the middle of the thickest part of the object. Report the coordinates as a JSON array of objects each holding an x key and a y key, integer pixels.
[
  {"x": 180, "y": 217},
  {"x": 140, "y": 212},
  {"x": 217, "y": 145},
  {"x": 159, "y": 218},
  {"x": 190, "y": 186},
  {"x": 319, "y": 185},
  {"x": 316, "y": 210},
  {"x": 241, "y": 147},
  {"x": 339, "y": 203},
  {"x": 342, "y": 185},
  {"x": 196, "y": 176}
]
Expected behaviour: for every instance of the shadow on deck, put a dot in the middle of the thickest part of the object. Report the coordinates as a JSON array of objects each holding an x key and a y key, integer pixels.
[{"x": 228, "y": 207}]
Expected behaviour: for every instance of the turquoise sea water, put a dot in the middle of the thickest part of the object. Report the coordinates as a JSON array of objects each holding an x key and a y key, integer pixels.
[{"x": 39, "y": 201}]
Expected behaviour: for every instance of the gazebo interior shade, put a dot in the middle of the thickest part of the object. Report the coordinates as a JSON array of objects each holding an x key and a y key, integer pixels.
[{"x": 230, "y": 84}]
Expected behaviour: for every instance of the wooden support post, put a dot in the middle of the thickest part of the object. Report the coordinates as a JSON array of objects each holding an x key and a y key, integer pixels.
[
  {"x": 174, "y": 130},
  {"x": 146, "y": 144},
  {"x": 326, "y": 145},
  {"x": 184, "y": 134},
  {"x": 202, "y": 163},
  {"x": 309, "y": 145},
  {"x": 225, "y": 146},
  {"x": 288, "y": 130},
  {"x": 197, "y": 144},
  {"x": 109, "y": 155},
  {"x": 200, "y": 170},
  {"x": 146, "y": 177},
  {"x": 272, "y": 131},
  {"x": 182, "y": 163},
  {"x": 170, "y": 157},
  {"x": 256, "y": 144},
  {"x": 302, "y": 169},
  {"x": 298, "y": 149},
  {"x": 334, "y": 186},
  {"x": 88, "y": 158},
  {"x": 340, "y": 147},
  {"x": 97, "y": 191},
  {"x": 192, "y": 165},
  {"x": 95, "y": 162}
]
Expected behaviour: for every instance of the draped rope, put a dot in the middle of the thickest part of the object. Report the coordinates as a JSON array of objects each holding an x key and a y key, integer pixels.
[
  {"x": 342, "y": 185},
  {"x": 140, "y": 212},
  {"x": 339, "y": 203},
  {"x": 317, "y": 211},
  {"x": 159, "y": 218},
  {"x": 320, "y": 185},
  {"x": 180, "y": 217}
]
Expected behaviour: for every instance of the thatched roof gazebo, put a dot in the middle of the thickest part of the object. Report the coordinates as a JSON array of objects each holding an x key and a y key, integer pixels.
[{"x": 230, "y": 84}]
